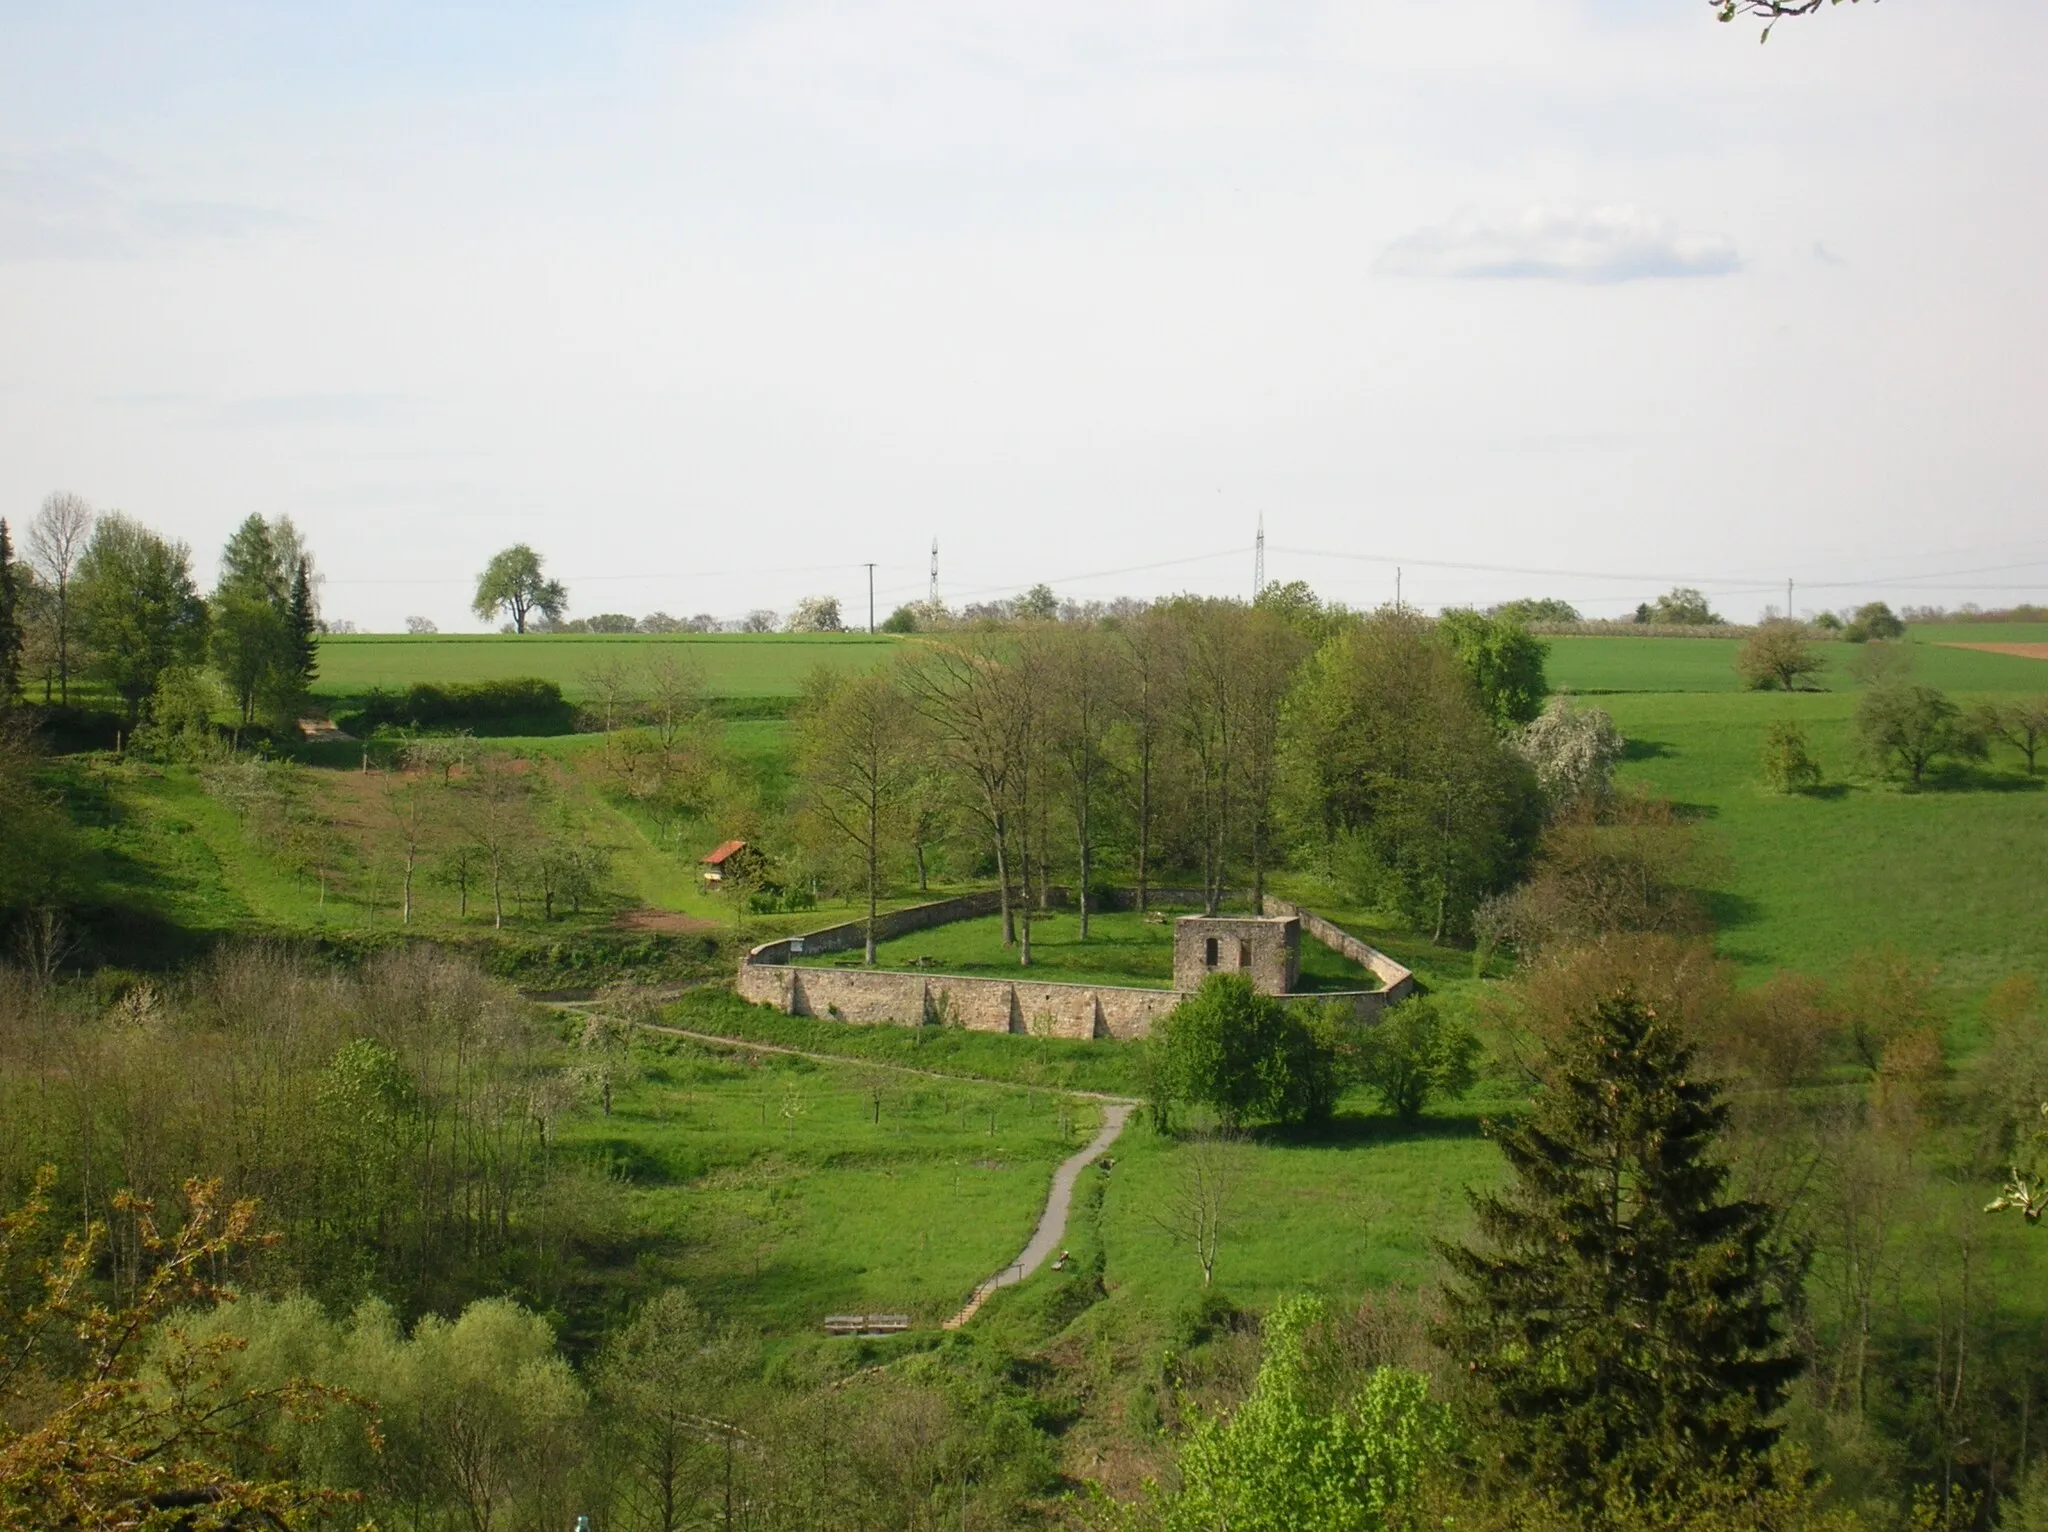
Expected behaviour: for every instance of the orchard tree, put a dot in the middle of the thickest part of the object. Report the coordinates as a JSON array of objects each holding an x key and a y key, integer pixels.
[
  {"x": 1906, "y": 729},
  {"x": 138, "y": 610},
  {"x": 1778, "y": 654},
  {"x": 2022, "y": 724},
  {"x": 512, "y": 583},
  {"x": 56, "y": 541},
  {"x": 1622, "y": 1318}
]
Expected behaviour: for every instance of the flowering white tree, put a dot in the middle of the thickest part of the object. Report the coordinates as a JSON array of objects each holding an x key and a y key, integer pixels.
[
  {"x": 816, "y": 614},
  {"x": 1573, "y": 750}
]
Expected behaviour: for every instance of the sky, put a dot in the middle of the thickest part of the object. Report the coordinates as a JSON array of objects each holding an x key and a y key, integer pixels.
[{"x": 716, "y": 304}]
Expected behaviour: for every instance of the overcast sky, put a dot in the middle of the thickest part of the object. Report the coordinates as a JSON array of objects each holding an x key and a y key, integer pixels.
[{"x": 713, "y": 304}]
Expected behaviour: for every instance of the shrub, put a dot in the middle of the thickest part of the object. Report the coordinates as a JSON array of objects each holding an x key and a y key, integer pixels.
[
  {"x": 472, "y": 704},
  {"x": 1789, "y": 766},
  {"x": 1248, "y": 1057},
  {"x": 1416, "y": 1055}
]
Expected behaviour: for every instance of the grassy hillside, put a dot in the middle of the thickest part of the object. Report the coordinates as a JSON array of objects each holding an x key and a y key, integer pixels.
[
  {"x": 1812, "y": 879},
  {"x": 734, "y": 664}
]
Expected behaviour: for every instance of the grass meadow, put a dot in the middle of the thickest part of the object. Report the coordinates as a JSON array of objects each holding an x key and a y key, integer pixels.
[
  {"x": 782, "y": 1190},
  {"x": 1123, "y": 948},
  {"x": 1809, "y": 880},
  {"x": 734, "y": 664}
]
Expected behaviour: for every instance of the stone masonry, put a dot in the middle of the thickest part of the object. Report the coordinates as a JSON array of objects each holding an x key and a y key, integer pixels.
[
  {"x": 1269, "y": 948},
  {"x": 1265, "y": 949}
]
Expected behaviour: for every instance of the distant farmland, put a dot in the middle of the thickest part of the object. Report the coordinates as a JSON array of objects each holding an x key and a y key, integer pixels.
[{"x": 734, "y": 664}]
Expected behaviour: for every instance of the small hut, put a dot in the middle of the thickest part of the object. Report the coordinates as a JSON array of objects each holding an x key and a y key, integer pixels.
[{"x": 733, "y": 859}]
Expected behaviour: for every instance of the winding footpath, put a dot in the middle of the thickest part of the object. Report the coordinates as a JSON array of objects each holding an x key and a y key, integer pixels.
[{"x": 1052, "y": 1223}]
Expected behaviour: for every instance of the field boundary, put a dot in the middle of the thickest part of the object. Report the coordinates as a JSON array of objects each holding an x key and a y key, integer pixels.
[{"x": 1048, "y": 1008}]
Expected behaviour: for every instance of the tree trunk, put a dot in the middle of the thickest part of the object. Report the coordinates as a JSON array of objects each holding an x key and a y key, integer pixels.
[
  {"x": 1082, "y": 865},
  {"x": 874, "y": 870},
  {"x": 1003, "y": 883}
]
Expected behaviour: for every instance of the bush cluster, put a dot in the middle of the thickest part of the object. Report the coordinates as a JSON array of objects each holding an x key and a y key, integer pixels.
[{"x": 462, "y": 704}]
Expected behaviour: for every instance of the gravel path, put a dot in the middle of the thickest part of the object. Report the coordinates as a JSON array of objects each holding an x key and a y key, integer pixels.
[{"x": 1052, "y": 1223}]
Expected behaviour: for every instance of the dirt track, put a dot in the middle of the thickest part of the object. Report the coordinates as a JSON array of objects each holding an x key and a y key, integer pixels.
[{"x": 2024, "y": 651}]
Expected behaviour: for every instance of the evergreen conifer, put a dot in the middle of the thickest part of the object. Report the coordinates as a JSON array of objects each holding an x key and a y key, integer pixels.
[
  {"x": 303, "y": 624},
  {"x": 1622, "y": 1318}
]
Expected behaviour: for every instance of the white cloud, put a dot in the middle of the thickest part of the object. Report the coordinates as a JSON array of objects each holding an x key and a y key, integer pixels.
[
  {"x": 89, "y": 207},
  {"x": 1616, "y": 243}
]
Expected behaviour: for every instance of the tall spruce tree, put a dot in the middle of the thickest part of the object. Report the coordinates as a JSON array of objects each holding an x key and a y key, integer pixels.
[
  {"x": 10, "y": 620},
  {"x": 1623, "y": 1318},
  {"x": 304, "y": 624}
]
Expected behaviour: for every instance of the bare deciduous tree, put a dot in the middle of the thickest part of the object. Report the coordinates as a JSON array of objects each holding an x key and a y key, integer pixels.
[
  {"x": 55, "y": 542},
  {"x": 859, "y": 756},
  {"x": 1201, "y": 1196}
]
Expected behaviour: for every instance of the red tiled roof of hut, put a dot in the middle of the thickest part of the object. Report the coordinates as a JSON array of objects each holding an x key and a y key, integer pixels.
[{"x": 719, "y": 857}]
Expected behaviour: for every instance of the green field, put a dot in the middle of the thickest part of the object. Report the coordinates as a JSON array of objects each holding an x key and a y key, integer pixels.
[
  {"x": 1123, "y": 948},
  {"x": 786, "y": 1190},
  {"x": 1810, "y": 880},
  {"x": 1606, "y": 665},
  {"x": 733, "y": 664}
]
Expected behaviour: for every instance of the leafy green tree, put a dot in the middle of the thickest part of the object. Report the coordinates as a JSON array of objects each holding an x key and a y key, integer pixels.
[
  {"x": 1248, "y": 1057},
  {"x": 1876, "y": 620},
  {"x": 1415, "y": 1055},
  {"x": 1038, "y": 604},
  {"x": 513, "y": 583},
  {"x": 1778, "y": 654},
  {"x": 2022, "y": 724},
  {"x": 250, "y": 638},
  {"x": 1681, "y": 606},
  {"x": 10, "y": 619},
  {"x": 1292, "y": 1456},
  {"x": 1385, "y": 750},
  {"x": 1504, "y": 661},
  {"x": 1906, "y": 729},
  {"x": 902, "y": 620},
  {"x": 1529, "y": 609},
  {"x": 1622, "y": 1318},
  {"x": 661, "y": 1383},
  {"x": 138, "y": 610},
  {"x": 1789, "y": 766},
  {"x": 1296, "y": 604}
]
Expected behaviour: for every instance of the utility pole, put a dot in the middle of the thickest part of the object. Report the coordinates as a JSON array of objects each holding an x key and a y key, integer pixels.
[
  {"x": 1397, "y": 587},
  {"x": 1259, "y": 561},
  {"x": 1788, "y": 597},
  {"x": 871, "y": 598},
  {"x": 931, "y": 599}
]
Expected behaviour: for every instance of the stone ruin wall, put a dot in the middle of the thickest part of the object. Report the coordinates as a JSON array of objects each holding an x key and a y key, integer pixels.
[{"x": 880, "y": 996}]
